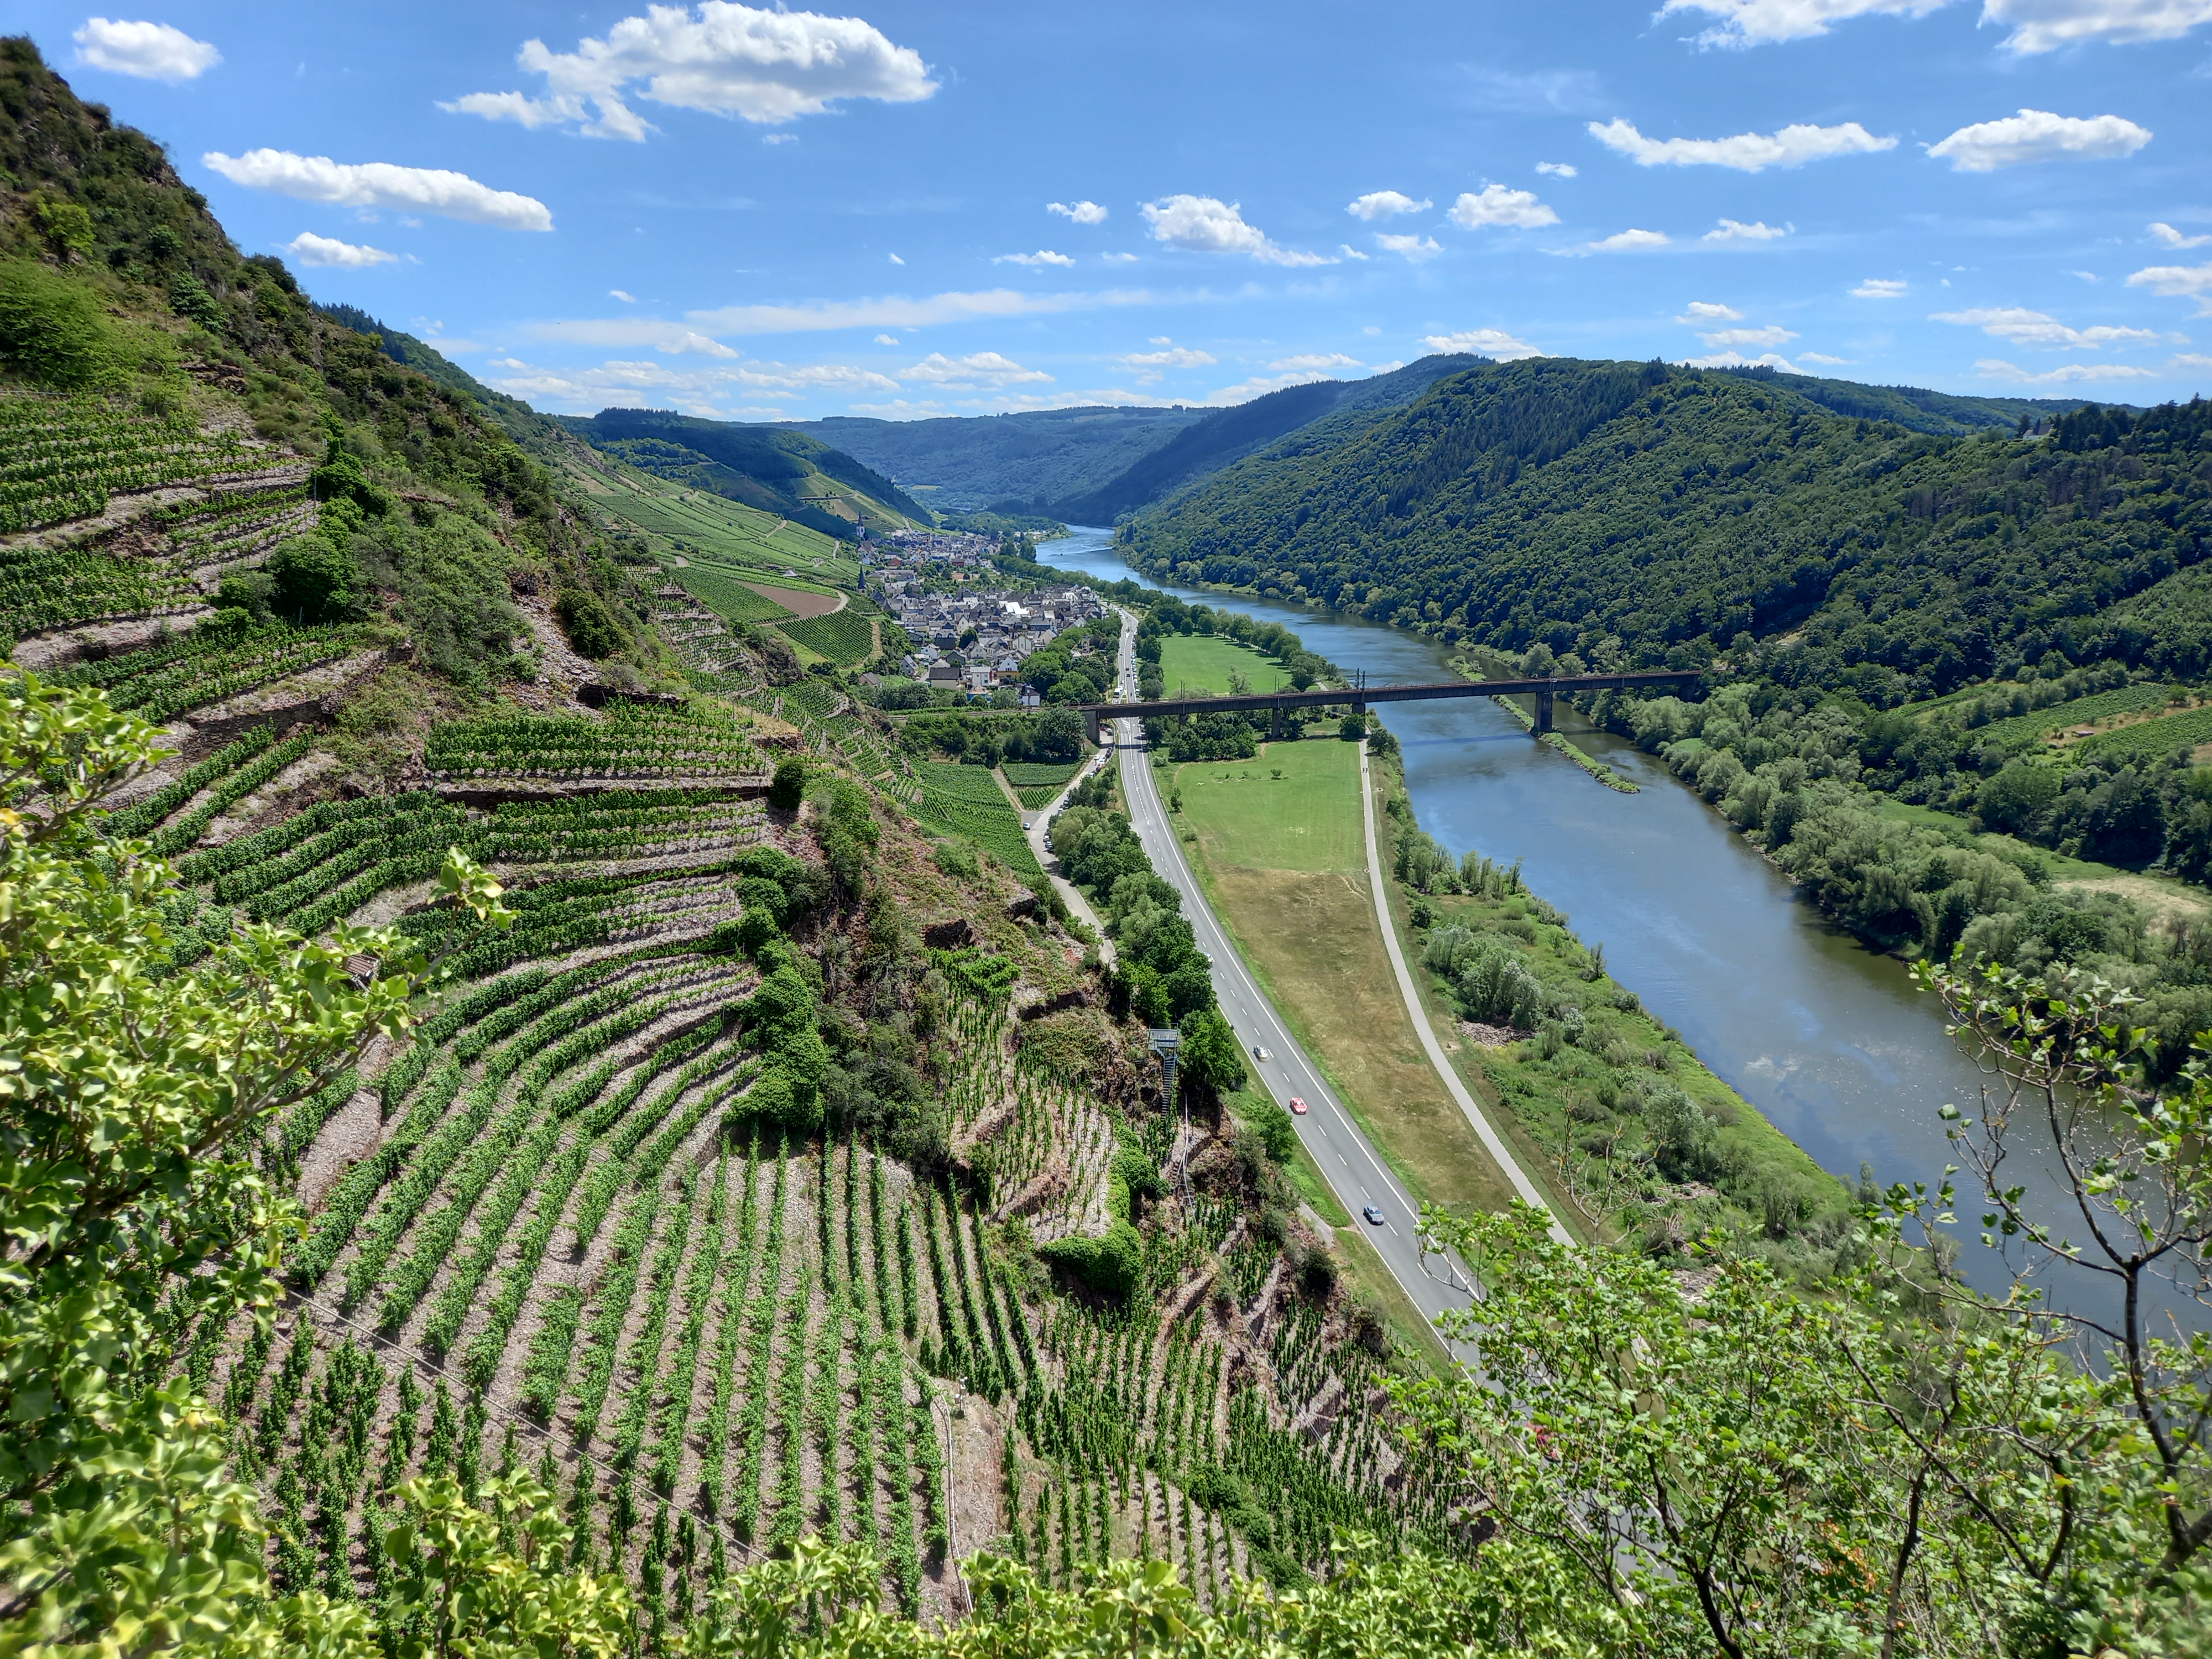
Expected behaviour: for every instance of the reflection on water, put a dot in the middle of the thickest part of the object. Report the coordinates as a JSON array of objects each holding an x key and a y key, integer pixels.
[{"x": 1832, "y": 1041}]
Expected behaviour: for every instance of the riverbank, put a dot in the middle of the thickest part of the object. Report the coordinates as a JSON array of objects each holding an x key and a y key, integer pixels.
[{"x": 1276, "y": 844}]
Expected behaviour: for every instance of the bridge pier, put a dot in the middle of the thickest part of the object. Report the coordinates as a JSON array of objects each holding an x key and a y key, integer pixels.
[
  {"x": 1275, "y": 723},
  {"x": 1543, "y": 710},
  {"x": 1090, "y": 724}
]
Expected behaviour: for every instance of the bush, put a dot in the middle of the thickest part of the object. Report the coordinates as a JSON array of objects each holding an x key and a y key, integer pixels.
[
  {"x": 591, "y": 625},
  {"x": 788, "y": 787},
  {"x": 311, "y": 582},
  {"x": 1110, "y": 1265},
  {"x": 53, "y": 332}
]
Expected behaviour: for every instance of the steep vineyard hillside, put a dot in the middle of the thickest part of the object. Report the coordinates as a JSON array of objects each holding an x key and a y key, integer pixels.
[{"x": 781, "y": 1169}]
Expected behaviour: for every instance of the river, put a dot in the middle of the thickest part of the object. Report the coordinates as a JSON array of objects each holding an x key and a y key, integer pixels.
[{"x": 1831, "y": 1040}]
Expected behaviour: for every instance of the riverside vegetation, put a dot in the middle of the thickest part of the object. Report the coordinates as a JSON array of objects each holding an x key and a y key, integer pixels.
[{"x": 487, "y": 1172}]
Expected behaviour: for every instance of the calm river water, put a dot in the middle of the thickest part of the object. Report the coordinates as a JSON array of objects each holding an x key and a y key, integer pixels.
[{"x": 1831, "y": 1040}]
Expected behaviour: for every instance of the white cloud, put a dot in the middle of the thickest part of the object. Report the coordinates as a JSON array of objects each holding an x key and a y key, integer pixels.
[
  {"x": 152, "y": 52},
  {"x": 2166, "y": 236},
  {"x": 2033, "y": 328},
  {"x": 1172, "y": 357},
  {"x": 1416, "y": 248},
  {"x": 1820, "y": 357},
  {"x": 1119, "y": 259},
  {"x": 1879, "y": 287},
  {"x": 1316, "y": 362},
  {"x": 381, "y": 185},
  {"x": 1259, "y": 386},
  {"x": 2036, "y": 135},
  {"x": 886, "y": 339},
  {"x": 1737, "y": 360},
  {"x": 1558, "y": 169},
  {"x": 1083, "y": 213},
  {"x": 1747, "y": 152},
  {"x": 1483, "y": 343},
  {"x": 1996, "y": 369},
  {"x": 1627, "y": 241},
  {"x": 2178, "y": 283},
  {"x": 764, "y": 66},
  {"x": 1385, "y": 204},
  {"x": 2191, "y": 360},
  {"x": 696, "y": 390},
  {"x": 2092, "y": 276},
  {"x": 887, "y": 312},
  {"x": 1707, "y": 311},
  {"x": 1497, "y": 205},
  {"x": 617, "y": 294},
  {"x": 1734, "y": 230},
  {"x": 1349, "y": 251},
  {"x": 978, "y": 368},
  {"x": 1207, "y": 224},
  {"x": 897, "y": 260},
  {"x": 1043, "y": 255},
  {"x": 310, "y": 249},
  {"x": 1764, "y": 22},
  {"x": 2046, "y": 25},
  {"x": 1772, "y": 335},
  {"x": 778, "y": 138}
]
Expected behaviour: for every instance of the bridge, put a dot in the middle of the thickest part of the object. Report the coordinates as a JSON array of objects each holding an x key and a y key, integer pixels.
[{"x": 1358, "y": 696}]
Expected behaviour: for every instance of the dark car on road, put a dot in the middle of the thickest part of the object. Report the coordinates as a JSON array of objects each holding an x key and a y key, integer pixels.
[{"x": 1374, "y": 1214}]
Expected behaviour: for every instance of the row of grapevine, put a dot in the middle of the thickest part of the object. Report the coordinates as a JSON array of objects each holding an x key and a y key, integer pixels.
[
  {"x": 62, "y": 458},
  {"x": 163, "y": 682},
  {"x": 966, "y": 801},
  {"x": 630, "y": 740}
]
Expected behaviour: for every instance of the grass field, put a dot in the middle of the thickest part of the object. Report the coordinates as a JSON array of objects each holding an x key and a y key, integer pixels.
[
  {"x": 1285, "y": 865},
  {"x": 1204, "y": 662},
  {"x": 1306, "y": 819}
]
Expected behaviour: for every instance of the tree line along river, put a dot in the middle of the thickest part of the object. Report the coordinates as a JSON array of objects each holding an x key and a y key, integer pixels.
[{"x": 1829, "y": 1038}]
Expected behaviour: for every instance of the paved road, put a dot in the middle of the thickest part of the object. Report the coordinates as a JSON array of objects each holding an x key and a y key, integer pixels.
[
  {"x": 1492, "y": 1142},
  {"x": 1348, "y": 1159}
]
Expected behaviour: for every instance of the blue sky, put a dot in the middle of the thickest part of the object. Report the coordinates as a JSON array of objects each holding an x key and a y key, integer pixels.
[{"x": 765, "y": 214}]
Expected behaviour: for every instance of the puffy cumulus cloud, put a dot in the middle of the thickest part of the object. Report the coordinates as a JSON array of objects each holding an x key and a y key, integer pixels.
[
  {"x": 1709, "y": 310},
  {"x": 1349, "y": 251},
  {"x": 371, "y": 185},
  {"x": 1737, "y": 360},
  {"x": 1747, "y": 152},
  {"x": 1773, "y": 334},
  {"x": 1171, "y": 356},
  {"x": 1416, "y": 248},
  {"x": 2178, "y": 283},
  {"x": 310, "y": 249},
  {"x": 778, "y": 138},
  {"x": 627, "y": 298},
  {"x": 700, "y": 391},
  {"x": 1119, "y": 259},
  {"x": 763, "y": 66},
  {"x": 1734, "y": 230},
  {"x": 152, "y": 52},
  {"x": 2046, "y": 25},
  {"x": 1559, "y": 169},
  {"x": 2166, "y": 236},
  {"x": 1765, "y": 22},
  {"x": 1083, "y": 213},
  {"x": 1207, "y": 224},
  {"x": 1996, "y": 369},
  {"x": 1316, "y": 362},
  {"x": 1483, "y": 343},
  {"x": 886, "y": 339},
  {"x": 1879, "y": 287},
  {"x": 1260, "y": 386},
  {"x": 1518, "y": 210},
  {"x": 2033, "y": 328},
  {"x": 977, "y": 369},
  {"x": 2036, "y": 134},
  {"x": 1042, "y": 256},
  {"x": 1822, "y": 357},
  {"x": 1385, "y": 204}
]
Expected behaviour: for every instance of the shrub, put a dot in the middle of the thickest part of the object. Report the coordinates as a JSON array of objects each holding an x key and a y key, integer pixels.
[{"x": 788, "y": 787}]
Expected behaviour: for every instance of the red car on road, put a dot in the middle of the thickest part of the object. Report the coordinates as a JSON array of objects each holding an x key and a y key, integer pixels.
[{"x": 1298, "y": 1105}]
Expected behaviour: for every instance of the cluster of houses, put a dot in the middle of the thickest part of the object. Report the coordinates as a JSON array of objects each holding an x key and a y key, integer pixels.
[
  {"x": 1001, "y": 630},
  {"x": 901, "y": 554}
]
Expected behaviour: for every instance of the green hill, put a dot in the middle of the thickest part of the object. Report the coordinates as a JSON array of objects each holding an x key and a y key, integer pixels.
[
  {"x": 1643, "y": 513},
  {"x": 772, "y": 468}
]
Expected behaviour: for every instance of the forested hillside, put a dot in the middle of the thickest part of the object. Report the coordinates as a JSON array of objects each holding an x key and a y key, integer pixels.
[
  {"x": 972, "y": 463},
  {"x": 1637, "y": 513}
]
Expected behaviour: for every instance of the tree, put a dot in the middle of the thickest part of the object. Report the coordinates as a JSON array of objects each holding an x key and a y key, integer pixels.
[
  {"x": 129, "y": 1207},
  {"x": 1212, "y": 1060},
  {"x": 788, "y": 787}
]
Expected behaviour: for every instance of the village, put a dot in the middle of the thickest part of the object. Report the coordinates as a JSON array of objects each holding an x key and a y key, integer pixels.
[{"x": 973, "y": 638}]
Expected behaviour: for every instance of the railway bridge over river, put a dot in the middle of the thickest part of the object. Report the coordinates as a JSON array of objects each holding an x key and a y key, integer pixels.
[{"x": 1358, "y": 696}]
